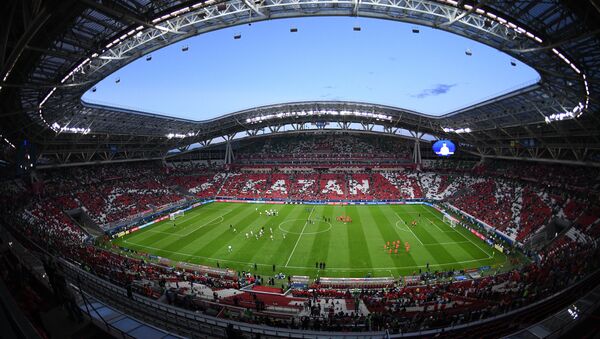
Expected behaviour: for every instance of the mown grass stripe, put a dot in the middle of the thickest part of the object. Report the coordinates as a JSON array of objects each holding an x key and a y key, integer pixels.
[{"x": 353, "y": 249}]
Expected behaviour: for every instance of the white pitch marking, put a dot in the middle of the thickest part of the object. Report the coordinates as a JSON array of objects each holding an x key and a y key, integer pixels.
[
  {"x": 303, "y": 267},
  {"x": 300, "y": 236},
  {"x": 182, "y": 235},
  {"x": 481, "y": 249},
  {"x": 306, "y": 233},
  {"x": 447, "y": 243},
  {"x": 400, "y": 228},
  {"x": 411, "y": 231},
  {"x": 431, "y": 222},
  {"x": 195, "y": 229}
]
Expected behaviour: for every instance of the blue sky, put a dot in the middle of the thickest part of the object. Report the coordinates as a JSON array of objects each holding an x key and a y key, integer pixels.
[{"x": 384, "y": 63}]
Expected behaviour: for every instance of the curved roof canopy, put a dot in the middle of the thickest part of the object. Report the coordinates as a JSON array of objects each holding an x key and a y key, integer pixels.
[{"x": 66, "y": 48}]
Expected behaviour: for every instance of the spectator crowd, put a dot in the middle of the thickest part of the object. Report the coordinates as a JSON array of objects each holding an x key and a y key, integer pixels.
[{"x": 518, "y": 199}]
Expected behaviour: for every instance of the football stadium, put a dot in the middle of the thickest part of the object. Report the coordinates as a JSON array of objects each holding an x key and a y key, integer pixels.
[{"x": 299, "y": 169}]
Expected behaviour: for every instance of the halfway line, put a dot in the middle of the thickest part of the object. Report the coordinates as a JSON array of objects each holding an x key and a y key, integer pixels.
[{"x": 297, "y": 241}]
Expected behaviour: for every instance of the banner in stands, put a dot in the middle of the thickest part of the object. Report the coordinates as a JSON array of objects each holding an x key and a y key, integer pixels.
[
  {"x": 378, "y": 282},
  {"x": 319, "y": 202},
  {"x": 412, "y": 279},
  {"x": 474, "y": 274},
  {"x": 164, "y": 217},
  {"x": 250, "y": 201},
  {"x": 477, "y": 234},
  {"x": 202, "y": 203},
  {"x": 300, "y": 281},
  {"x": 211, "y": 271}
]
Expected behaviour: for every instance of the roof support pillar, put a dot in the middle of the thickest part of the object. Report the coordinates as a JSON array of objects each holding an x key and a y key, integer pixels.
[
  {"x": 228, "y": 150},
  {"x": 417, "y": 148}
]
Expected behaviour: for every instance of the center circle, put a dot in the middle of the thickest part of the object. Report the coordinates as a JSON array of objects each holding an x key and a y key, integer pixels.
[{"x": 318, "y": 226}]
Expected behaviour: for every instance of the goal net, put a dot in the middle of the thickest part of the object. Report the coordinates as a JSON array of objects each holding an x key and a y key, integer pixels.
[
  {"x": 450, "y": 220},
  {"x": 176, "y": 215}
]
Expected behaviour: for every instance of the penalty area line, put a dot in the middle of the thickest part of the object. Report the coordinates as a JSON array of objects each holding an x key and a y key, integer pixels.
[
  {"x": 462, "y": 235},
  {"x": 434, "y": 224},
  {"x": 210, "y": 223},
  {"x": 411, "y": 231}
]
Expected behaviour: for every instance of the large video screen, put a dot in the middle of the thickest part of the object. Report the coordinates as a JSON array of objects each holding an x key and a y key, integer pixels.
[{"x": 444, "y": 148}]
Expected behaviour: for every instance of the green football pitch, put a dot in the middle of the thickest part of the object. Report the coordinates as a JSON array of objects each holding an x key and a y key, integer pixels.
[{"x": 306, "y": 234}]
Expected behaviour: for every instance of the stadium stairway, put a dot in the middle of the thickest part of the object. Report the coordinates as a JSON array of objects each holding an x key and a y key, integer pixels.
[
  {"x": 182, "y": 191},
  {"x": 218, "y": 193},
  {"x": 570, "y": 233},
  {"x": 540, "y": 240},
  {"x": 576, "y": 235},
  {"x": 85, "y": 222}
]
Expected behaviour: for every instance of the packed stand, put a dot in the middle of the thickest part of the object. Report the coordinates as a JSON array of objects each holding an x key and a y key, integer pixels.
[
  {"x": 518, "y": 207},
  {"x": 324, "y": 148},
  {"x": 107, "y": 193},
  {"x": 563, "y": 176}
]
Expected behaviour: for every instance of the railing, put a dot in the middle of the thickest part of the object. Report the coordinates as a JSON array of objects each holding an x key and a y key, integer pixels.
[
  {"x": 560, "y": 323},
  {"x": 178, "y": 320},
  {"x": 193, "y": 324},
  {"x": 118, "y": 324}
]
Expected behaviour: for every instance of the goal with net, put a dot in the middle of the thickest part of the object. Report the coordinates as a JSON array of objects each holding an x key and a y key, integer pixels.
[
  {"x": 176, "y": 215},
  {"x": 450, "y": 220}
]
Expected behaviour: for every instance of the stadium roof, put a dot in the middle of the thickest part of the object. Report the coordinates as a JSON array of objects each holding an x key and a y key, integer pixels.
[
  {"x": 325, "y": 59},
  {"x": 56, "y": 50}
]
